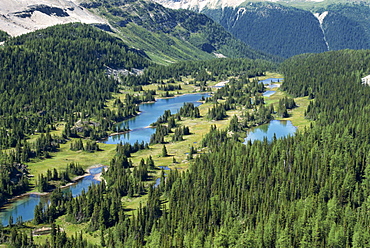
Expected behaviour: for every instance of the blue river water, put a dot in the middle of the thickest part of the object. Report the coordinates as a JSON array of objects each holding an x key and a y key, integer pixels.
[
  {"x": 149, "y": 113},
  {"x": 271, "y": 80},
  {"x": 268, "y": 93},
  {"x": 23, "y": 207}
]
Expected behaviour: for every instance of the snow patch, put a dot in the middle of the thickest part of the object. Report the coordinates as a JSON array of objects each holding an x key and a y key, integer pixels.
[
  {"x": 219, "y": 55},
  {"x": 321, "y": 18},
  {"x": 199, "y": 5},
  {"x": 240, "y": 12}
]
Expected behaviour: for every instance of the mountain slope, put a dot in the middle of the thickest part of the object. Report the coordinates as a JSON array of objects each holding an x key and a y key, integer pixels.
[
  {"x": 50, "y": 74},
  {"x": 154, "y": 28},
  {"x": 199, "y": 5},
  {"x": 288, "y": 31},
  {"x": 347, "y": 25},
  {"x": 284, "y": 30},
  {"x": 273, "y": 28},
  {"x": 166, "y": 35},
  {"x": 24, "y": 16}
]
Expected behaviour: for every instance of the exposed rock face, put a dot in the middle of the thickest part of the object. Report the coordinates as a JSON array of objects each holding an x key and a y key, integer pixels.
[
  {"x": 199, "y": 5},
  {"x": 22, "y": 16}
]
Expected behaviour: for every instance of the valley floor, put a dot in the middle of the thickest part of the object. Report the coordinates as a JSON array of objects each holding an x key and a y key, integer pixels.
[{"x": 177, "y": 151}]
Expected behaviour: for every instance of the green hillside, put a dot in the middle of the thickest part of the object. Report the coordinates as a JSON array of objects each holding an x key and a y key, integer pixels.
[
  {"x": 3, "y": 36},
  {"x": 51, "y": 74},
  {"x": 348, "y": 25},
  {"x": 273, "y": 28},
  {"x": 286, "y": 31},
  {"x": 170, "y": 35}
]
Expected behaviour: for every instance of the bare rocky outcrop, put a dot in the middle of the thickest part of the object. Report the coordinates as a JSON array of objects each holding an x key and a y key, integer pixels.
[
  {"x": 199, "y": 5},
  {"x": 22, "y": 16}
]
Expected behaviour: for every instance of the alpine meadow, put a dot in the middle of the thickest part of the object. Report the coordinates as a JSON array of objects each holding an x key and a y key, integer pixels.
[{"x": 142, "y": 123}]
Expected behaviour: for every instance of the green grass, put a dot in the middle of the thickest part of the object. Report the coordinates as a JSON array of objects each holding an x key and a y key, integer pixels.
[
  {"x": 270, "y": 75},
  {"x": 199, "y": 127},
  {"x": 65, "y": 156},
  {"x": 297, "y": 114}
]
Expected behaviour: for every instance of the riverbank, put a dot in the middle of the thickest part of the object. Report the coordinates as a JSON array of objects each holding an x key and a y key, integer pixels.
[
  {"x": 177, "y": 159},
  {"x": 75, "y": 180}
]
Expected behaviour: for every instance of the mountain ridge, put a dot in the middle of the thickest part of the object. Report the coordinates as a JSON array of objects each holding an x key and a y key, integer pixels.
[
  {"x": 152, "y": 27},
  {"x": 20, "y": 17},
  {"x": 164, "y": 34},
  {"x": 287, "y": 31},
  {"x": 199, "y": 5}
]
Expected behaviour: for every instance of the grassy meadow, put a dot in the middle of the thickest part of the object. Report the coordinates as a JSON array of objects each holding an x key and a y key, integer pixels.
[{"x": 177, "y": 151}]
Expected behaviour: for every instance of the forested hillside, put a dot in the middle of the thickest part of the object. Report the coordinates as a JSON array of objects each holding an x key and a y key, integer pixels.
[
  {"x": 347, "y": 25},
  {"x": 170, "y": 35},
  {"x": 303, "y": 191},
  {"x": 3, "y": 35},
  {"x": 53, "y": 76},
  {"x": 48, "y": 75},
  {"x": 308, "y": 190},
  {"x": 273, "y": 28},
  {"x": 311, "y": 190},
  {"x": 287, "y": 31}
]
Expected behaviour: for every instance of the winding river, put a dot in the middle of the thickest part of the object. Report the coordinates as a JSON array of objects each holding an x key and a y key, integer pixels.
[
  {"x": 22, "y": 208},
  {"x": 149, "y": 113}
]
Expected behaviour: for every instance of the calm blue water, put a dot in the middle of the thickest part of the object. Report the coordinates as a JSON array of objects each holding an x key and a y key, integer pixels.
[
  {"x": 24, "y": 207},
  {"x": 164, "y": 167},
  {"x": 271, "y": 86},
  {"x": 158, "y": 180},
  {"x": 268, "y": 93},
  {"x": 271, "y": 80},
  {"x": 149, "y": 114},
  {"x": 269, "y": 83},
  {"x": 279, "y": 128}
]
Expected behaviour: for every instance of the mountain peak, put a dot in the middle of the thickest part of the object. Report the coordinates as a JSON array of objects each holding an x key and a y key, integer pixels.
[
  {"x": 199, "y": 5},
  {"x": 22, "y": 16}
]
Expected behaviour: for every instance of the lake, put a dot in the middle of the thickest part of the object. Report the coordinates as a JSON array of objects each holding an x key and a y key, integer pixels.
[
  {"x": 279, "y": 128},
  {"x": 271, "y": 80},
  {"x": 268, "y": 93},
  {"x": 149, "y": 113},
  {"x": 24, "y": 207},
  {"x": 158, "y": 180}
]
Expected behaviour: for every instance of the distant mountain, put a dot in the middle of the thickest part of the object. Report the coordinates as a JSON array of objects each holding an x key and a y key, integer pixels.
[
  {"x": 273, "y": 28},
  {"x": 169, "y": 35},
  {"x": 20, "y": 16},
  {"x": 283, "y": 30},
  {"x": 165, "y": 35},
  {"x": 287, "y": 31},
  {"x": 199, "y": 5},
  {"x": 347, "y": 24}
]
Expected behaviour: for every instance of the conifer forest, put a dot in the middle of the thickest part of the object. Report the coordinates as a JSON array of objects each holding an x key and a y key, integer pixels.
[{"x": 65, "y": 90}]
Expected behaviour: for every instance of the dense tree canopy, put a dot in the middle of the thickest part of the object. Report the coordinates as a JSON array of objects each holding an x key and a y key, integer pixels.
[{"x": 311, "y": 189}]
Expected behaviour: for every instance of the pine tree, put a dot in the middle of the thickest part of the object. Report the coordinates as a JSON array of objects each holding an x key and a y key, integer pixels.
[{"x": 164, "y": 151}]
